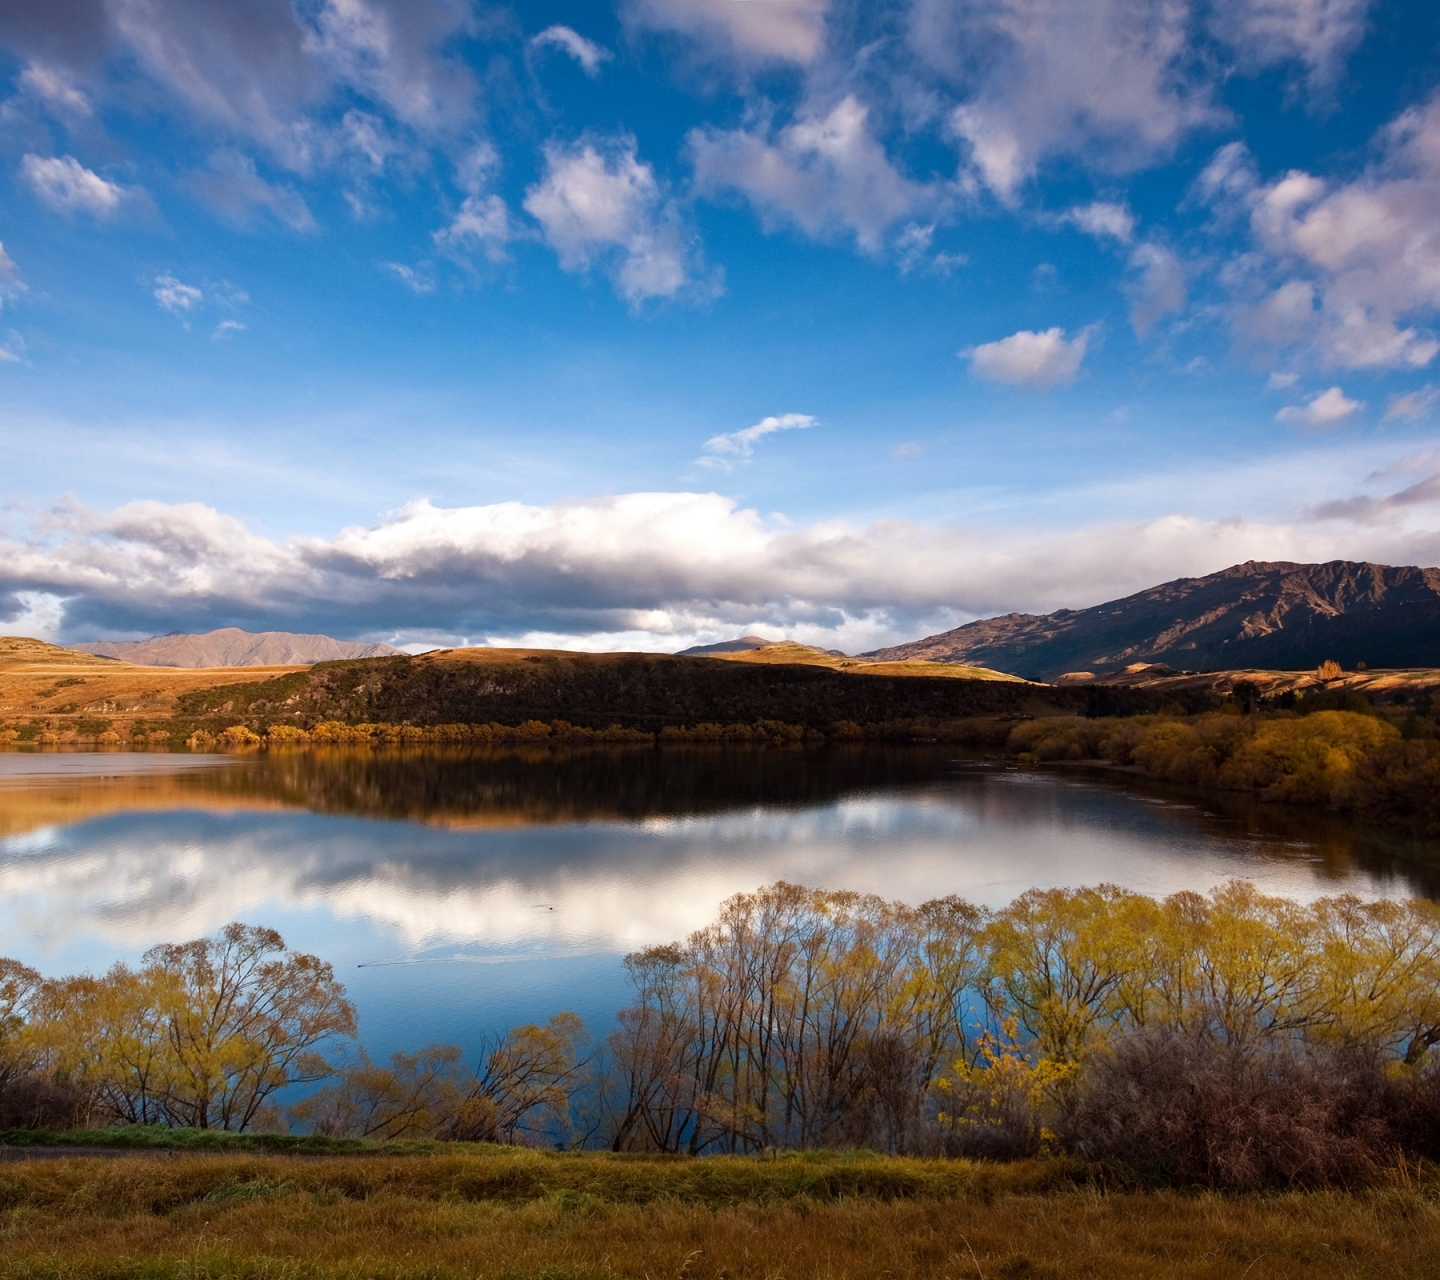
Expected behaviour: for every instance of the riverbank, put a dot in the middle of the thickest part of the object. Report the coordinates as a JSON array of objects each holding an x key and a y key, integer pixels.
[{"x": 503, "y": 1212}]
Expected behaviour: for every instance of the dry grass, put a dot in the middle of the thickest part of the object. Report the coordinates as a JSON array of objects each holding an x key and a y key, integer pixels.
[
  {"x": 505, "y": 1214},
  {"x": 57, "y": 688},
  {"x": 789, "y": 652}
]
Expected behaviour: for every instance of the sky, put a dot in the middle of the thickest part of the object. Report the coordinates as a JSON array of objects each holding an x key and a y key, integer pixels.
[{"x": 646, "y": 323}]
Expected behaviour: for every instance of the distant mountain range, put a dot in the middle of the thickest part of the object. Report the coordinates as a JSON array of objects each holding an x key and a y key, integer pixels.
[
  {"x": 231, "y": 647},
  {"x": 1278, "y": 616}
]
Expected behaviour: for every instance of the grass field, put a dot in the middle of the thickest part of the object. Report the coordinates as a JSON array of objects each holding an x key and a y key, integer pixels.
[
  {"x": 59, "y": 690},
  {"x": 495, "y": 1212}
]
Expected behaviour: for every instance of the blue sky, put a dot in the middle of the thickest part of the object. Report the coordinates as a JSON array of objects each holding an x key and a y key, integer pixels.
[{"x": 645, "y": 323}]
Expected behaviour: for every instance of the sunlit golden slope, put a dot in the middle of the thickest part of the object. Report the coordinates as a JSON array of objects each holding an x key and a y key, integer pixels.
[
  {"x": 785, "y": 652},
  {"x": 45, "y": 683}
]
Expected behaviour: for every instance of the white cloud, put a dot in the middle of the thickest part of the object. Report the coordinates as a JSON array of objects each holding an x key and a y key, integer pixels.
[
  {"x": 586, "y": 52},
  {"x": 1278, "y": 381},
  {"x": 661, "y": 564},
  {"x": 1325, "y": 409},
  {"x": 482, "y": 222},
  {"x": 65, "y": 184},
  {"x": 226, "y": 328},
  {"x": 1103, "y": 219},
  {"x": 414, "y": 280},
  {"x": 1413, "y": 405},
  {"x": 11, "y": 285},
  {"x": 1318, "y": 33},
  {"x": 723, "y": 451},
  {"x": 826, "y": 174},
  {"x": 232, "y": 187},
  {"x": 175, "y": 297},
  {"x": 1029, "y": 358},
  {"x": 54, "y": 88},
  {"x": 1351, "y": 270},
  {"x": 746, "y": 31},
  {"x": 1105, "y": 81},
  {"x": 598, "y": 203},
  {"x": 1159, "y": 287}
]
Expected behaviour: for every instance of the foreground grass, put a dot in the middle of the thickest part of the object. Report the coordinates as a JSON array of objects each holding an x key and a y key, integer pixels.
[{"x": 493, "y": 1212}]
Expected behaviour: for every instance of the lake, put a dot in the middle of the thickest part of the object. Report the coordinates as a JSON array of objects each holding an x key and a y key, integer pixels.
[{"x": 458, "y": 893}]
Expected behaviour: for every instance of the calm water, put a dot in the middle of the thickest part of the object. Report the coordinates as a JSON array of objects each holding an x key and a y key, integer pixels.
[{"x": 458, "y": 893}]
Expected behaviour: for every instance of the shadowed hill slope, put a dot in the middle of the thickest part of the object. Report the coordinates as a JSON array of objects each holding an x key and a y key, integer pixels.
[
  {"x": 231, "y": 647},
  {"x": 642, "y": 691},
  {"x": 1278, "y": 616}
]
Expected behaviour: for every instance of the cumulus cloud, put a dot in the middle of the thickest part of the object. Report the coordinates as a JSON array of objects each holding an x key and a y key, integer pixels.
[
  {"x": 1030, "y": 359},
  {"x": 824, "y": 173},
  {"x": 65, "y": 184},
  {"x": 1158, "y": 287},
  {"x": 1350, "y": 269},
  {"x": 1103, "y": 219},
  {"x": 1412, "y": 405},
  {"x": 232, "y": 187},
  {"x": 745, "y": 31},
  {"x": 1105, "y": 81},
  {"x": 598, "y": 203},
  {"x": 1326, "y": 409},
  {"x": 725, "y": 450},
  {"x": 654, "y": 565},
  {"x": 587, "y": 53},
  {"x": 1317, "y": 33}
]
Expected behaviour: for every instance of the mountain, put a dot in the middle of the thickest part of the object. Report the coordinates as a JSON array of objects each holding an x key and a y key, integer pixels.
[
  {"x": 1278, "y": 616},
  {"x": 231, "y": 647},
  {"x": 741, "y": 645}
]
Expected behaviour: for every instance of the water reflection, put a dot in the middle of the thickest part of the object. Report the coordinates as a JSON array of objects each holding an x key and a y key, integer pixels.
[{"x": 512, "y": 868}]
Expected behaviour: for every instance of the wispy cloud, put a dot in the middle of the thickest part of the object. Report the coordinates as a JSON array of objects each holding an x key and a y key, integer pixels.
[
  {"x": 587, "y": 53},
  {"x": 65, "y": 184},
  {"x": 737, "y": 446},
  {"x": 1413, "y": 405}
]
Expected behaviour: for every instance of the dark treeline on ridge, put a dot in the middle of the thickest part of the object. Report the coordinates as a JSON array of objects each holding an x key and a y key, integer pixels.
[{"x": 1230, "y": 1040}]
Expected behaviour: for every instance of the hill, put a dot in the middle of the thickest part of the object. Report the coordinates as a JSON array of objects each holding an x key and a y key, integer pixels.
[
  {"x": 1279, "y": 616},
  {"x": 231, "y": 647},
  {"x": 788, "y": 652},
  {"x": 641, "y": 691}
]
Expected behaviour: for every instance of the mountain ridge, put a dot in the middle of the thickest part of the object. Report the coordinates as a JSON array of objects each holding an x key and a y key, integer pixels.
[
  {"x": 1280, "y": 615},
  {"x": 232, "y": 647}
]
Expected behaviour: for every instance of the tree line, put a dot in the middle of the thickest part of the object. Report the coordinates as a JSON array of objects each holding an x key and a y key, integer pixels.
[{"x": 1231, "y": 1039}]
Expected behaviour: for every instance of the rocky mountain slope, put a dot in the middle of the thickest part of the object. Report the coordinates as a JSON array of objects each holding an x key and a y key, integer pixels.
[
  {"x": 1279, "y": 616},
  {"x": 231, "y": 647}
]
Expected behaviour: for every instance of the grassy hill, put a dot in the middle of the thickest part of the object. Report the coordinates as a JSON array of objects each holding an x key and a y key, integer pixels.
[{"x": 642, "y": 691}]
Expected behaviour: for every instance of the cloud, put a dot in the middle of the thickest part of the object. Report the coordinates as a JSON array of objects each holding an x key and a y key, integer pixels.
[
  {"x": 641, "y": 564},
  {"x": 825, "y": 174},
  {"x": 1412, "y": 405},
  {"x": 1102, "y": 219},
  {"x": 1106, "y": 82},
  {"x": 724, "y": 451},
  {"x": 1158, "y": 289},
  {"x": 1325, "y": 409},
  {"x": 599, "y": 204},
  {"x": 1278, "y": 381},
  {"x": 233, "y": 188},
  {"x": 1350, "y": 270},
  {"x": 743, "y": 31},
  {"x": 416, "y": 281},
  {"x": 226, "y": 328},
  {"x": 54, "y": 88},
  {"x": 1318, "y": 33},
  {"x": 11, "y": 285},
  {"x": 175, "y": 297},
  {"x": 1029, "y": 358},
  {"x": 65, "y": 184},
  {"x": 483, "y": 223},
  {"x": 586, "y": 52}
]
